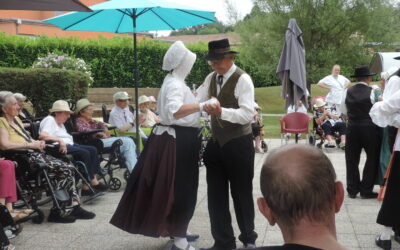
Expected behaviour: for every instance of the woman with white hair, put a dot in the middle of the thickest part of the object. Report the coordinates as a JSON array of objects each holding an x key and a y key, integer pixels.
[
  {"x": 161, "y": 193},
  {"x": 23, "y": 114}
]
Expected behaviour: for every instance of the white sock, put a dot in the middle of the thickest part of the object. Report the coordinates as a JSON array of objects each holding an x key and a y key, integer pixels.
[
  {"x": 181, "y": 242},
  {"x": 386, "y": 233}
]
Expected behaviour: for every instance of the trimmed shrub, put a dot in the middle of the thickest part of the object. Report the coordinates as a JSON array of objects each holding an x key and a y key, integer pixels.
[
  {"x": 111, "y": 60},
  {"x": 44, "y": 86}
]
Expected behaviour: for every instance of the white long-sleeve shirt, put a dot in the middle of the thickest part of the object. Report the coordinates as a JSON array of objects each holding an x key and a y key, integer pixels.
[
  {"x": 387, "y": 112},
  {"x": 244, "y": 93}
]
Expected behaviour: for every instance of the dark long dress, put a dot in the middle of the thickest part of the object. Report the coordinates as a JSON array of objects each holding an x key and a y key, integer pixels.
[{"x": 161, "y": 192}]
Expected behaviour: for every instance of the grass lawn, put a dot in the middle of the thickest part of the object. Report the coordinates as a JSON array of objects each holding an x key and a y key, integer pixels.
[
  {"x": 271, "y": 103},
  {"x": 269, "y": 98}
]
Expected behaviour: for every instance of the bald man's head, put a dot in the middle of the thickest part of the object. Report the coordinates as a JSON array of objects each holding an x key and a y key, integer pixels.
[{"x": 298, "y": 182}]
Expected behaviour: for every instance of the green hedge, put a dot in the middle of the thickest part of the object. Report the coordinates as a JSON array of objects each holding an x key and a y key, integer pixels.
[
  {"x": 44, "y": 86},
  {"x": 111, "y": 60}
]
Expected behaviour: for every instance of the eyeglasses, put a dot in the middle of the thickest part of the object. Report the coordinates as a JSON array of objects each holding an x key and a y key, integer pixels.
[{"x": 125, "y": 100}]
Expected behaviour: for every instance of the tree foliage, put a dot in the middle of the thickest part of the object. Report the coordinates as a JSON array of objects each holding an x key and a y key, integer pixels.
[
  {"x": 211, "y": 28},
  {"x": 334, "y": 32}
]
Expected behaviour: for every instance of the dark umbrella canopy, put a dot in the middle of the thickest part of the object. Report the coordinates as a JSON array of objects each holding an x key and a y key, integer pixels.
[
  {"x": 50, "y": 5},
  {"x": 291, "y": 68}
]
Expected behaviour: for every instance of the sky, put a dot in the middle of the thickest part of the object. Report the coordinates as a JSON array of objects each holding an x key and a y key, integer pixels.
[{"x": 242, "y": 6}]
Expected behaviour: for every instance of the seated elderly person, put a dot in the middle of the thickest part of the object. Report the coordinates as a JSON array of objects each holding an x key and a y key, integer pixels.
[
  {"x": 84, "y": 122},
  {"x": 153, "y": 104},
  {"x": 122, "y": 118},
  {"x": 23, "y": 114},
  {"x": 14, "y": 136},
  {"x": 52, "y": 128},
  {"x": 8, "y": 190},
  {"x": 149, "y": 118},
  {"x": 330, "y": 122}
]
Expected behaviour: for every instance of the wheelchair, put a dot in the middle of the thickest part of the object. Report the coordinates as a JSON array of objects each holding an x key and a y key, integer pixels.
[
  {"x": 110, "y": 155},
  {"x": 318, "y": 134},
  {"x": 34, "y": 179}
]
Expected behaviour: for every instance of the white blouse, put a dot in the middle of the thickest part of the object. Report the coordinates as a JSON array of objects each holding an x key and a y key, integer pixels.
[
  {"x": 173, "y": 94},
  {"x": 337, "y": 88},
  {"x": 387, "y": 112},
  {"x": 50, "y": 126},
  {"x": 391, "y": 87}
]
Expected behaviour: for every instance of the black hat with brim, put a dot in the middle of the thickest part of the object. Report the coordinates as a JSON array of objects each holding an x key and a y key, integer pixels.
[
  {"x": 362, "y": 71},
  {"x": 218, "y": 49}
]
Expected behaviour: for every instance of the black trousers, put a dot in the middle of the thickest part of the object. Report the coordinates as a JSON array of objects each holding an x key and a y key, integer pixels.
[
  {"x": 231, "y": 165},
  {"x": 389, "y": 213},
  {"x": 360, "y": 137},
  {"x": 88, "y": 155}
]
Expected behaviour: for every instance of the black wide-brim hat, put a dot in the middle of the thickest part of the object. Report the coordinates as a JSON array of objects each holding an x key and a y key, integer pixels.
[
  {"x": 218, "y": 49},
  {"x": 362, "y": 71}
]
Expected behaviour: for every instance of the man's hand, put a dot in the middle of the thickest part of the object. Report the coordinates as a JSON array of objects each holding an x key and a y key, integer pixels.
[{"x": 213, "y": 109}]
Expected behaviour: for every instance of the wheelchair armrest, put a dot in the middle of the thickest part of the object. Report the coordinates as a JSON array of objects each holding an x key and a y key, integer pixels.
[
  {"x": 111, "y": 127},
  {"x": 16, "y": 151},
  {"x": 86, "y": 133}
]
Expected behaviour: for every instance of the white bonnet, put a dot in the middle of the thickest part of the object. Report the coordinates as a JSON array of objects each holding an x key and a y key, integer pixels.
[{"x": 175, "y": 56}]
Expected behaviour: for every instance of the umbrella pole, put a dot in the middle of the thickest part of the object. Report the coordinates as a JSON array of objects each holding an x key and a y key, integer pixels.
[{"x": 135, "y": 82}]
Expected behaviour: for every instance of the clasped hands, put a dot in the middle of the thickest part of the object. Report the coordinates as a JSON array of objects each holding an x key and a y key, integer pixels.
[{"x": 211, "y": 106}]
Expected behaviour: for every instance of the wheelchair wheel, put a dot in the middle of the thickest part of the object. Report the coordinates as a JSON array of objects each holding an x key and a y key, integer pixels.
[
  {"x": 39, "y": 218},
  {"x": 126, "y": 174},
  {"x": 115, "y": 184}
]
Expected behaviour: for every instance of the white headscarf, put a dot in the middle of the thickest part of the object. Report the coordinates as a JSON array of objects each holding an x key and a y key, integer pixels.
[{"x": 179, "y": 60}]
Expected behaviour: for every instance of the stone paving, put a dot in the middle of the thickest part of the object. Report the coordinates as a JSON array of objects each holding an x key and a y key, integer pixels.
[{"x": 356, "y": 227}]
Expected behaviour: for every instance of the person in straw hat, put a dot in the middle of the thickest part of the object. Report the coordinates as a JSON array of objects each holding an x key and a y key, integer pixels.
[
  {"x": 153, "y": 104},
  {"x": 85, "y": 122},
  {"x": 330, "y": 123},
  {"x": 165, "y": 206},
  {"x": 229, "y": 155},
  {"x": 149, "y": 118},
  {"x": 52, "y": 128},
  {"x": 361, "y": 133}
]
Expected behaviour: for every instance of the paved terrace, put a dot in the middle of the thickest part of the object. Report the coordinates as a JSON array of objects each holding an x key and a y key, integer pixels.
[{"x": 356, "y": 225}]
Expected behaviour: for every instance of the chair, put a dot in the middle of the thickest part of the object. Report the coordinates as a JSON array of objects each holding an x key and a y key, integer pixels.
[{"x": 294, "y": 123}]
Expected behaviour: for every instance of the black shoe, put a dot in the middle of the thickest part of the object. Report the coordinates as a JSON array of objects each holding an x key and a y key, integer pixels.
[
  {"x": 192, "y": 237},
  {"x": 189, "y": 237},
  {"x": 396, "y": 238},
  {"x": 371, "y": 195},
  {"x": 79, "y": 213},
  {"x": 88, "y": 192},
  {"x": 385, "y": 244},
  {"x": 217, "y": 248},
  {"x": 55, "y": 216},
  {"x": 100, "y": 187},
  {"x": 352, "y": 196}
]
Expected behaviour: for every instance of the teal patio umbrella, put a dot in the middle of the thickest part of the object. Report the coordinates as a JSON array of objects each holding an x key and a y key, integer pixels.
[{"x": 132, "y": 16}]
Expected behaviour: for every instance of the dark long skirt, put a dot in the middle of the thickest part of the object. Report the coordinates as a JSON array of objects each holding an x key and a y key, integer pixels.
[
  {"x": 389, "y": 214},
  {"x": 161, "y": 193}
]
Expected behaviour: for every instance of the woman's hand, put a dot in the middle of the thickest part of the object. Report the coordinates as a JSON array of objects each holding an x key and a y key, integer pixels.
[
  {"x": 36, "y": 145},
  {"x": 63, "y": 147}
]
